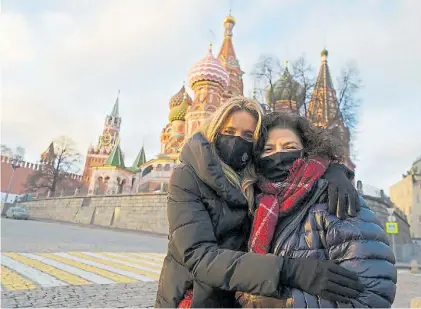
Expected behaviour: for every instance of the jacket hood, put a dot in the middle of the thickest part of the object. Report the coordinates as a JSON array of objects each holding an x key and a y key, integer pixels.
[{"x": 198, "y": 154}]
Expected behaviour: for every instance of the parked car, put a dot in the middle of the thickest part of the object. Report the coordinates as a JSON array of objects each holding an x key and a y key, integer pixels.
[{"x": 16, "y": 212}]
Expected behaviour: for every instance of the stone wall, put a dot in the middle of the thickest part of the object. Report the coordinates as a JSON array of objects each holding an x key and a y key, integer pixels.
[{"x": 146, "y": 211}]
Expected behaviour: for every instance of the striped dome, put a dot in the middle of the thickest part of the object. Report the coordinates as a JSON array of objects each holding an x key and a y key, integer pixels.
[
  {"x": 208, "y": 69},
  {"x": 177, "y": 99}
]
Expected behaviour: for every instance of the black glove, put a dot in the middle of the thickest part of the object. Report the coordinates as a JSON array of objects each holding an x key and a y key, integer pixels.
[
  {"x": 342, "y": 195},
  {"x": 321, "y": 278}
]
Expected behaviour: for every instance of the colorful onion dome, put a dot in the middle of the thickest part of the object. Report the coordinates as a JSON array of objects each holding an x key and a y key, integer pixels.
[
  {"x": 208, "y": 69},
  {"x": 177, "y": 99},
  {"x": 178, "y": 112}
]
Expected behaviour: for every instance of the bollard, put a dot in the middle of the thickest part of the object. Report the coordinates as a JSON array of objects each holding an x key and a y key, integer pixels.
[
  {"x": 415, "y": 303},
  {"x": 414, "y": 267}
]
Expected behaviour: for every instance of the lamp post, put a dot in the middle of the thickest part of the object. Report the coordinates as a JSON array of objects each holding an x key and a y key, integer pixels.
[
  {"x": 392, "y": 227},
  {"x": 14, "y": 164}
]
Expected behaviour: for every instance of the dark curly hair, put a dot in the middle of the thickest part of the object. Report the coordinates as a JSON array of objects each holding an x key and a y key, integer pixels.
[{"x": 317, "y": 141}]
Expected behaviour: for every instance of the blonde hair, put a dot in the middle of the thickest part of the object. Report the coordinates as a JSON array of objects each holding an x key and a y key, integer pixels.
[{"x": 214, "y": 124}]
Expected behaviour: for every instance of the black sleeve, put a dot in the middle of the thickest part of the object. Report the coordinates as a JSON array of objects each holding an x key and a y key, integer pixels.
[
  {"x": 360, "y": 245},
  {"x": 192, "y": 237}
]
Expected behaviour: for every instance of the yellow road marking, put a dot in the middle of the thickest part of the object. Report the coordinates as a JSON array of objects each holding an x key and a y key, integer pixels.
[
  {"x": 12, "y": 281},
  {"x": 131, "y": 260},
  {"x": 58, "y": 273},
  {"x": 92, "y": 269},
  {"x": 158, "y": 255},
  {"x": 145, "y": 256},
  {"x": 116, "y": 265}
]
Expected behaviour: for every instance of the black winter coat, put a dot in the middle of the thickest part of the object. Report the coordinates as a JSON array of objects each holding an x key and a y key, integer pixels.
[
  {"x": 358, "y": 243},
  {"x": 208, "y": 229}
]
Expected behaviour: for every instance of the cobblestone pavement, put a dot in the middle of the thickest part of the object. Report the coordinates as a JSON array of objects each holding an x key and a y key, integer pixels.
[{"x": 141, "y": 294}]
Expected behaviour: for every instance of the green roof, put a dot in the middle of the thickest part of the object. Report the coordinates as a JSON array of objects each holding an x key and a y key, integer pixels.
[
  {"x": 115, "y": 158},
  {"x": 140, "y": 159}
]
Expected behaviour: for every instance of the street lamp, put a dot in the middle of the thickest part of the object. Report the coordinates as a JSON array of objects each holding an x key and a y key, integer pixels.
[{"x": 14, "y": 164}]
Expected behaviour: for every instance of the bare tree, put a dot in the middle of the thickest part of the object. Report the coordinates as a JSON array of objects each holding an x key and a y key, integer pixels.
[
  {"x": 266, "y": 72},
  {"x": 303, "y": 73},
  {"x": 17, "y": 154},
  {"x": 349, "y": 84},
  {"x": 56, "y": 169}
]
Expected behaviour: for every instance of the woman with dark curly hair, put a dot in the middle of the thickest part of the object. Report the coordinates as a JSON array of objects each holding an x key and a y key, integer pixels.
[{"x": 291, "y": 219}]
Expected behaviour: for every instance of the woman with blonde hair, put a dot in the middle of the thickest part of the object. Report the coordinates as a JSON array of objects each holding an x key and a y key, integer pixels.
[{"x": 209, "y": 223}]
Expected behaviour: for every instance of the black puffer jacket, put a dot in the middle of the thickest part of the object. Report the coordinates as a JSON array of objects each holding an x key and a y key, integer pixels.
[
  {"x": 207, "y": 215},
  {"x": 358, "y": 243}
]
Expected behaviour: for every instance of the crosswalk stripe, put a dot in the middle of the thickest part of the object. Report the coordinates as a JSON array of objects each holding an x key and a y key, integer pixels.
[
  {"x": 158, "y": 255},
  {"x": 12, "y": 281},
  {"x": 88, "y": 266},
  {"x": 76, "y": 271},
  {"x": 147, "y": 271},
  {"x": 58, "y": 273},
  {"x": 31, "y": 273},
  {"x": 116, "y": 264},
  {"x": 135, "y": 259},
  {"x": 152, "y": 267},
  {"x": 102, "y": 264},
  {"x": 147, "y": 256}
]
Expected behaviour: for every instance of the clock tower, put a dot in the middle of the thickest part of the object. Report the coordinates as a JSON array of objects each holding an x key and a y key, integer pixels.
[{"x": 107, "y": 141}]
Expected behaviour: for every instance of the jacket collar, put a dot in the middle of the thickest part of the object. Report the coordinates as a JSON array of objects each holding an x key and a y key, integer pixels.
[{"x": 199, "y": 155}]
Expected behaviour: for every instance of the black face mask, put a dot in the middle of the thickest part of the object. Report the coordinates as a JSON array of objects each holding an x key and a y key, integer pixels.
[
  {"x": 276, "y": 167},
  {"x": 235, "y": 151}
]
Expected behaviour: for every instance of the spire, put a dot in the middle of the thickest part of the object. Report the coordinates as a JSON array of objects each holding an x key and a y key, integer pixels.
[
  {"x": 49, "y": 153},
  {"x": 229, "y": 60},
  {"x": 115, "y": 112},
  {"x": 140, "y": 159},
  {"x": 227, "y": 48},
  {"x": 323, "y": 107},
  {"x": 116, "y": 157}
]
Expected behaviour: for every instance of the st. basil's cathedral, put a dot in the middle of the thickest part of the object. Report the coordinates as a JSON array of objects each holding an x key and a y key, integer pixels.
[{"x": 213, "y": 80}]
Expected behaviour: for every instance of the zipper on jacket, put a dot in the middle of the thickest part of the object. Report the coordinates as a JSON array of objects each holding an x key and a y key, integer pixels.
[{"x": 292, "y": 225}]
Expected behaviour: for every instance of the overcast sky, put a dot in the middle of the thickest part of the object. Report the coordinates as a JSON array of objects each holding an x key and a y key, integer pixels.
[{"x": 64, "y": 60}]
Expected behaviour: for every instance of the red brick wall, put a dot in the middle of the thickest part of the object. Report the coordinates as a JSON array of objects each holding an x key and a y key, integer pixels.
[
  {"x": 19, "y": 179},
  {"x": 23, "y": 172}
]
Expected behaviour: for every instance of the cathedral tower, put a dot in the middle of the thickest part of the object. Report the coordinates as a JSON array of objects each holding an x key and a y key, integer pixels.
[
  {"x": 97, "y": 155},
  {"x": 323, "y": 109},
  {"x": 230, "y": 62},
  {"x": 209, "y": 80},
  {"x": 172, "y": 135}
]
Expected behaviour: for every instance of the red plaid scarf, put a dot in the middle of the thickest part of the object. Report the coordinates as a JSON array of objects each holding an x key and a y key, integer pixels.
[
  {"x": 276, "y": 198},
  {"x": 280, "y": 197}
]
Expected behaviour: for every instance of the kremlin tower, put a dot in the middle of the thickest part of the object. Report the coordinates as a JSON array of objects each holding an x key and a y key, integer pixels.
[{"x": 106, "y": 142}]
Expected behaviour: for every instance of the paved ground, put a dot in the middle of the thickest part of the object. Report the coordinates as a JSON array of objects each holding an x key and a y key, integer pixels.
[{"x": 57, "y": 265}]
